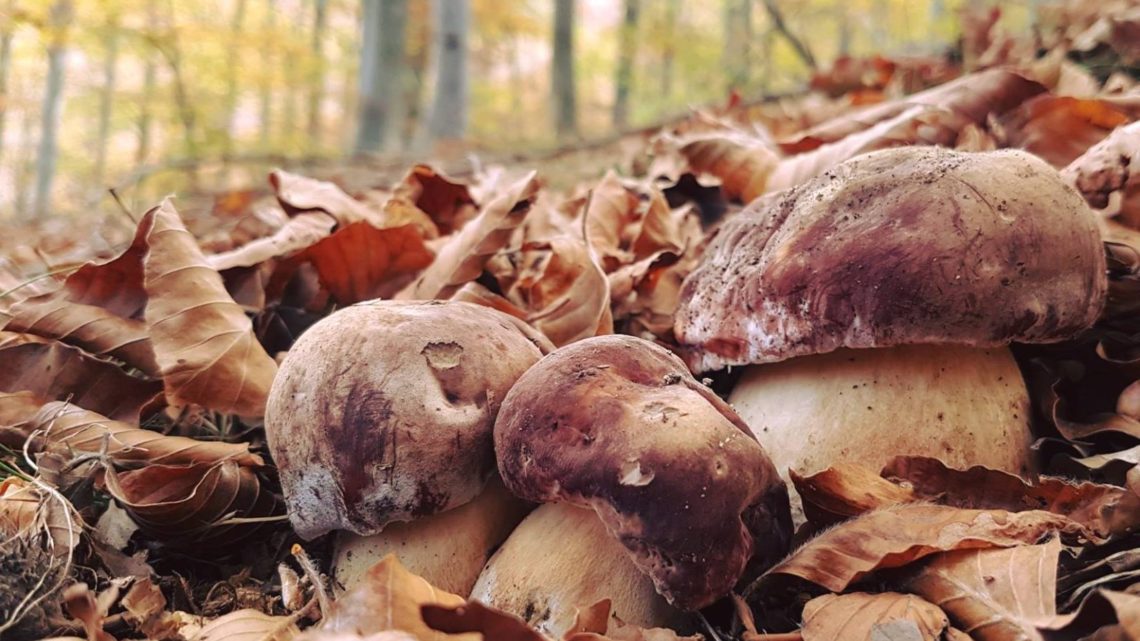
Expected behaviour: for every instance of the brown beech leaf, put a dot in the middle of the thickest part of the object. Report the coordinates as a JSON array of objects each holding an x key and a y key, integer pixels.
[
  {"x": 1097, "y": 612},
  {"x": 361, "y": 262},
  {"x": 54, "y": 371},
  {"x": 665, "y": 229},
  {"x": 183, "y": 505},
  {"x": 89, "y": 327},
  {"x": 994, "y": 595},
  {"x": 611, "y": 210},
  {"x": 846, "y": 490},
  {"x": 741, "y": 161},
  {"x": 298, "y": 194},
  {"x": 389, "y": 597},
  {"x": 476, "y": 621},
  {"x": 59, "y": 423},
  {"x": 1060, "y": 129},
  {"x": 461, "y": 258},
  {"x": 203, "y": 341},
  {"x": 872, "y": 616},
  {"x": 899, "y": 535},
  {"x": 300, "y": 232},
  {"x": 115, "y": 285},
  {"x": 248, "y": 625},
  {"x": 449, "y": 203},
  {"x": 565, "y": 290}
]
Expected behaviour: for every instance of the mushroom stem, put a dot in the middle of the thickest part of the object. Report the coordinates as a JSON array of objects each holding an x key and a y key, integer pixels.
[
  {"x": 447, "y": 549},
  {"x": 963, "y": 405},
  {"x": 561, "y": 559}
]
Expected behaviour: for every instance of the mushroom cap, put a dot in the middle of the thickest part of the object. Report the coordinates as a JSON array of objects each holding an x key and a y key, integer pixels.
[
  {"x": 915, "y": 245},
  {"x": 383, "y": 411},
  {"x": 617, "y": 424}
]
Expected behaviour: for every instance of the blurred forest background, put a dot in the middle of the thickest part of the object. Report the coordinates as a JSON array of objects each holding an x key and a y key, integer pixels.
[{"x": 153, "y": 96}]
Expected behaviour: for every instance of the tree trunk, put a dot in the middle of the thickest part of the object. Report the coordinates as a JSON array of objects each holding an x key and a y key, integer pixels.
[
  {"x": 232, "y": 62},
  {"x": 447, "y": 119},
  {"x": 149, "y": 72},
  {"x": 107, "y": 98},
  {"x": 294, "y": 78},
  {"x": 562, "y": 73},
  {"x": 737, "y": 53},
  {"x": 61, "y": 13},
  {"x": 382, "y": 100},
  {"x": 317, "y": 77},
  {"x": 669, "y": 49},
  {"x": 843, "y": 16},
  {"x": 5, "y": 65},
  {"x": 627, "y": 51},
  {"x": 266, "y": 111},
  {"x": 23, "y": 163},
  {"x": 781, "y": 27}
]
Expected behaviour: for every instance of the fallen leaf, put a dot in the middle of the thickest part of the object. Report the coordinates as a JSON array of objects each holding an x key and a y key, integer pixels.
[
  {"x": 1098, "y": 612},
  {"x": 611, "y": 210},
  {"x": 564, "y": 290},
  {"x": 870, "y": 616},
  {"x": 1060, "y": 129},
  {"x": 202, "y": 340},
  {"x": 299, "y": 194},
  {"x": 144, "y": 607},
  {"x": 846, "y": 490},
  {"x": 248, "y": 625},
  {"x": 300, "y": 232},
  {"x": 82, "y": 605},
  {"x": 361, "y": 262},
  {"x": 741, "y": 161},
  {"x": 476, "y": 621},
  {"x": 449, "y": 203},
  {"x": 461, "y": 258}
]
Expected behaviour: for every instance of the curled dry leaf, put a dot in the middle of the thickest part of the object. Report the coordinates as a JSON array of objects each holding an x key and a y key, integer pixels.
[
  {"x": 449, "y": 203},
  {"x": 846, "y": 490},
  {"x": 887, "y": 615},
  {"x": 611, "y": 211},
  {"x": 899, "y": 535},
  {"x": 1060, "y": 129},
  {"x": 1097, "y": 612},
  {"x": 994, "y": 595},
  {"x": 203, "y": 341},
  {"x": 564, "y": 289},
  {"x": 300, "y": 232},
  {"x": 248, "y": 625},
  {"x": 75, "y": 429},
  {"x": 461, "y": 258},
  {"x": 389, "y": 597},
  {"x": 144, "y": 607},
  {"x": 54, "y": 371},
  {"x": 741, "y": 161},
  {"x": 299, "y": 194},
  {"x": 184, "y": 505}
]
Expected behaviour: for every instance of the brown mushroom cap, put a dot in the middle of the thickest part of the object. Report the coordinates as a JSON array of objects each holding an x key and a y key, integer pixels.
[
  {"x": 617, "y": 424},
  {"x": 916, "y": 245},
  {"x": 383, "y": 411}
]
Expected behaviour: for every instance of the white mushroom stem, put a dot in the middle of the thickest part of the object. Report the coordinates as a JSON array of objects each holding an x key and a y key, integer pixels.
[
  {"x": 560, "y": 559},
  {"x": 447, "y": 549},
  {"x": 963, "y": 405}
]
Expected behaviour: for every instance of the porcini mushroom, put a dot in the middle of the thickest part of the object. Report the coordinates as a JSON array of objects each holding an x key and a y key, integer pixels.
[
  {"x": 874, "y": 305},
  {"x": 382, "y": 413},
  {"x": 657, "y": 488}
]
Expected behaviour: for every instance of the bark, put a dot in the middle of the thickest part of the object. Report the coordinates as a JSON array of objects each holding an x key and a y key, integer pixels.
[
  {"x": 562, "y": 73},
  {"x": 61, "y": 14},
  {"x": 107, "y": 98},
  {"x": 781, "y": 27},
  {"x": 382, "y": 72},
  {"x": 448, "y": 115},
  {"x": 317, "y": 79},
  {"x": 627, "y": 52}
]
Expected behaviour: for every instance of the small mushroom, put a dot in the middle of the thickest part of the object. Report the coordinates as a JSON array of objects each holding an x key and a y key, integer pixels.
[
  {"x": 678, "y": 496},
  {"x": 874, "y": 305},
  {"x": 382, "y": 414}
]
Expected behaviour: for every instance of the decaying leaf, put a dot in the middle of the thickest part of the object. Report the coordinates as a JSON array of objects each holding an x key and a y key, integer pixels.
[
  {"x": 202, "y": 340},
  {"x": 299, "y": 194},
  {"x": 876, "y": 617},
  {"x": 300, "y": 232},
  {"x": 248, "y": 625},
  {"x": 449, "y": 203},
  {"x": 741, "y": 161}
]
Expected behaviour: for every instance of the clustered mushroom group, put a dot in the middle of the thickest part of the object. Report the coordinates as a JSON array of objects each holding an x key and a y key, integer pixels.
[{"x": 872, "y": 306}]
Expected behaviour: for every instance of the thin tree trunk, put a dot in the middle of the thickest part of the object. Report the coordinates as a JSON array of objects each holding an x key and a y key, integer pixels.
[
  {"x": 447, "y": 119},
  {"x": 382, "y": 100},
  {"x": 737, "y": 53},
  {"x": 562, "y": 73},
  {"x": 61, "y": 13},
  {"x": 627, "y": 51},
  {"x": 107, "y": 98},
  {"x": 781, "y": 27},
  {"x": 229, "y": 130},
  {"x": 843, "y": 15},
  {"x": 5, "y": 65},
  {"x": 269, "y": 26},
  {"x": 149, "y": 73},
  {"x": 293, "y": 81},
  {"x": 669, "y": 50},
  {"x": 24, "y": 162},
  {"x": 317, "y": 78}
]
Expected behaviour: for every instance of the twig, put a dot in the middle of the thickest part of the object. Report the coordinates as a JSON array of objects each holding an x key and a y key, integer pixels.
[
  {"x": 314, "y": 575},
  {"x": 123, "y": 206}
]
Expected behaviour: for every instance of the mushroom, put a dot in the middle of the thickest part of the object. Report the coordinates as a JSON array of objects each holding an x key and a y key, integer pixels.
[
  {"x": 382, "y": 414},
  {"x": 874, "y": 306},
  {"x": 652, "y": 484}
]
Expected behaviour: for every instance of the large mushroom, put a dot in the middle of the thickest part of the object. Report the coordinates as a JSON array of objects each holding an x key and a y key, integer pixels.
[
  {"x": 874, "y": 305},
  {"x": 380, "y": 422},
  {"x": 652, "y": 486}
]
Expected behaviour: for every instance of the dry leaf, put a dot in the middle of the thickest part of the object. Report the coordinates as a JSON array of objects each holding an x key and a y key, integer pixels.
[
  {"x": 1097, "y": 612},
  {"x": 203, "y": 341},
  {"x": 476, "y": 621},
  {"x": 846, "y": 490},
  {"x": 1059, "y": 129},
  {"x": 248, "y": 625},
  {"x": 300, "y": 232},
  {"x": 871, "y": 616},
  {"x": 994, "y": 595},
  {"x": 54, "y": 371},
  {"x": 298, "y": 194},
  {"x": 461, "y": 258},
  {"x": 564, "y": 289},
  {"x": 183, "y": 505},
  {"x": 81, "y": 604},
  {"x": 742, "y": 162},
  {"x": 389, "y": 597},
  {"x": 448, "y": 203},
  {"x": 610, "y": 212},
  {"x": 361, "y": 262},
  {"x": 144, "y": 608},
  {"x": 897, "y": 536},
  {"x": 80, "y": 430}
]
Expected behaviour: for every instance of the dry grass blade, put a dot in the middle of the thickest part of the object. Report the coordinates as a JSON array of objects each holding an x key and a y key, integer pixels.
[
  {"x": 897, "y": 536},
  {"x": 249, "y": 625},
  {"x": 994, "y": 595},
  {"x": 887, "y": 615},
  {"x": 461, "y": 258},
  {"x": 60, "y": 423},
  {"x": 203, "y": 341}
]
